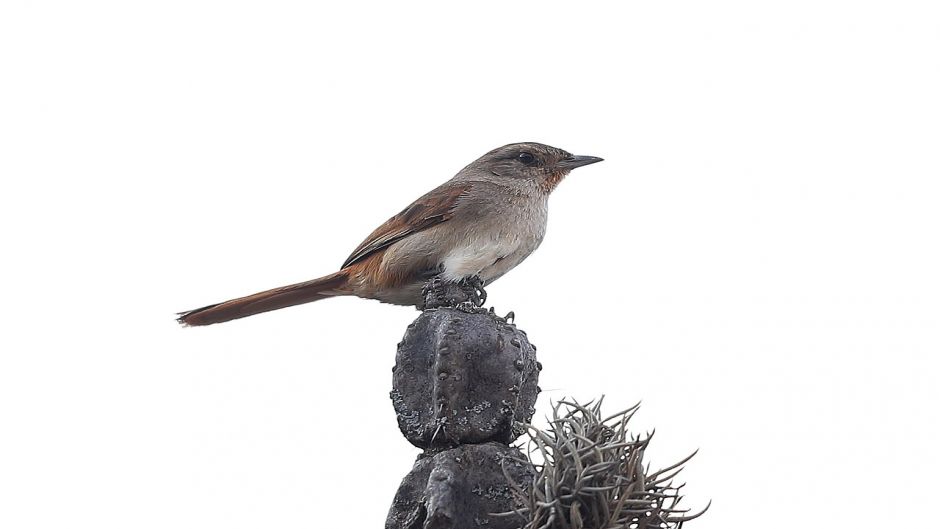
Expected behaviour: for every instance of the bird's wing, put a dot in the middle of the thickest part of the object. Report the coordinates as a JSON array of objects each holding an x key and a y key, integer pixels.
[{"x": 431, "y": 209}]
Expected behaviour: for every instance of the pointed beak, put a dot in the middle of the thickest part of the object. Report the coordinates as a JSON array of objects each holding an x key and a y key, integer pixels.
[{"x": 572, "y": 162}]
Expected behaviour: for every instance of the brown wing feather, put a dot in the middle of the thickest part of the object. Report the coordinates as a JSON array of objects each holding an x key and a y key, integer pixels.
[{"x": 431, "y": 209}]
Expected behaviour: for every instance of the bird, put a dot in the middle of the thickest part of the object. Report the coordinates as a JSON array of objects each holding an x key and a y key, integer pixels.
[{"x": 472, "y": 229}]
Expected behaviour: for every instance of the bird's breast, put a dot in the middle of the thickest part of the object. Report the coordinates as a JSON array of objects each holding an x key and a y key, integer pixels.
[{"x": 491, "y": 246}]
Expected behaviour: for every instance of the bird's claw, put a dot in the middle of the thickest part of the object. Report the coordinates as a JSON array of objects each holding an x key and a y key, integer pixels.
[
  {"x": 440, "y": 293},
  {"x": 473, "y": 287}
]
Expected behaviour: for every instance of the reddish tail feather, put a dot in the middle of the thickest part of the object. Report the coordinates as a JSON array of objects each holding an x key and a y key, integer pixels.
[{"x": 276, "y": 298}]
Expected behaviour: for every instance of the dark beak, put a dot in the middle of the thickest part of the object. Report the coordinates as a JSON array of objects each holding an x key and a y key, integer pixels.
[{"x": 572, "y": 162}]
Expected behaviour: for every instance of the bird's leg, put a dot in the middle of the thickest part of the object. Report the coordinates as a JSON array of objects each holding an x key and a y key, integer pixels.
[
  {"x": 474, "y": 288},
  {"x": 441, "y": 293}
]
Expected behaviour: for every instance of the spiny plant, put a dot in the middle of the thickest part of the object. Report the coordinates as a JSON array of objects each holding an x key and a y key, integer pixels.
[{"x": 589, "y": 474}]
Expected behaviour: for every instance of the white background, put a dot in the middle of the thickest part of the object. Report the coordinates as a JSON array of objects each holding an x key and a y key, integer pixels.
[{"x": 756, "y": 260}]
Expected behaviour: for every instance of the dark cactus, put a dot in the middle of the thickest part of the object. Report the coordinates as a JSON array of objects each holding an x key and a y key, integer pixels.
[
  {"x": 464, "y": 387},
  {"x": 461, "y": 488},
  {"x": 463, "y": 376}
]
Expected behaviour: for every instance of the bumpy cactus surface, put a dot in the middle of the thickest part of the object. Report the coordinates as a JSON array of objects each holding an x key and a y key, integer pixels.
[
  {"x": 463, "y": 376},
  {"x": 464, "y": 386},
  {"x": 460, "y": 488}
]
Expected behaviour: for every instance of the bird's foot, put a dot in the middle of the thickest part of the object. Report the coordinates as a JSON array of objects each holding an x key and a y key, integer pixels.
[
  {"x": 465, "y": 294},
  {"x": 473, "y": 286}
]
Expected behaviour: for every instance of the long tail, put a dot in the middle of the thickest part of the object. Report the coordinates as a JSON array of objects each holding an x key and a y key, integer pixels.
[{"x": 276, "y": 298}]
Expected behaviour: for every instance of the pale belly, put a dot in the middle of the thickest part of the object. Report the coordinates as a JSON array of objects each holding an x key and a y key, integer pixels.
[
  {"x": 488, "y": 259},
  {"x": 490, "y": 255}
]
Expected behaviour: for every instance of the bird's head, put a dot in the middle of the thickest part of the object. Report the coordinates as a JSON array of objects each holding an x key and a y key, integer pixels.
[{"x": 537, "y": 162}]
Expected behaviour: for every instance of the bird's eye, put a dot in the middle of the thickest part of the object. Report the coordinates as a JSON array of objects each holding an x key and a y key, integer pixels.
[{"x": 526, "y": 158}]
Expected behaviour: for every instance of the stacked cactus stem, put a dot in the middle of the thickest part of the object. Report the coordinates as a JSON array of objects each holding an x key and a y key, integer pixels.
[
  {"x": 463, "y": 382},
  {"x": 464, "y": 387}
]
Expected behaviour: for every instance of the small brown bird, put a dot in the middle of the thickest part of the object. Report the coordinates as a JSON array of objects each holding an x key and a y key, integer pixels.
[{"x": 474, "y": 228}]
